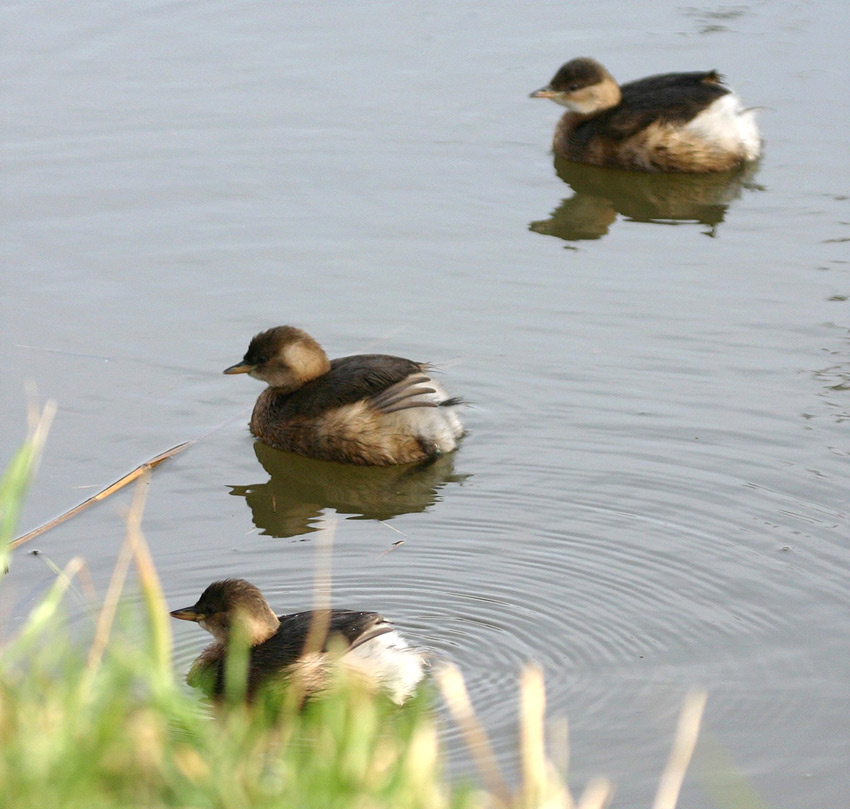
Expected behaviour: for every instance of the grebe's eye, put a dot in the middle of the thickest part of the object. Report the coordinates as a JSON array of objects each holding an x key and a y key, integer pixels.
[{"x": 574, "y": 87}]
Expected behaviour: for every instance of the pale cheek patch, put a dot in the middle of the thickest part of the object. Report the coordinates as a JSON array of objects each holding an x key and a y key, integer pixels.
[
  {"x": 582, "y": 101},
  {"x": 593, "y": 99},
  {"x": 305, "y": 361}
]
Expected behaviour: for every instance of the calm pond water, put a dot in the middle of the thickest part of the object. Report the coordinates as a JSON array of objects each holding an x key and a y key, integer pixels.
[{"x": 654, "y": 490}]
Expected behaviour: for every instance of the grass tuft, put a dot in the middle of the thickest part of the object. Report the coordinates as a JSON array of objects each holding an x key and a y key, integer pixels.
[{"x": 19, "y": 474}]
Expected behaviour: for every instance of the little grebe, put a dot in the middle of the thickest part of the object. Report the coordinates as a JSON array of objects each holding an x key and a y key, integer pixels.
[
  {"x": 369, "y": 409},
  {"x": 369, "y": 644},
  {"x": 679, "y": 122}
]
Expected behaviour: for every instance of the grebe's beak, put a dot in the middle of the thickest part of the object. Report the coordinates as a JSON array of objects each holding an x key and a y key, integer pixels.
[
  {"x": 188, "y": 614},
  {"x": 543, "y": 92},
  {"x": 239, "y": 368}
]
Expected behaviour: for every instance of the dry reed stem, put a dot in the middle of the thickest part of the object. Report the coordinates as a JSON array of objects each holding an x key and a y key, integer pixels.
[
  {"x": 532, "y": 745},
  {"x": 541, "y": 787},
  {"x": 454, "y": 691},
  {"x": 107, "y": 611},
  {"x": 39, "y": 426},
  {"x": 318, "y": 632},
  {"x": 687, "y": 730},
  {"x": 119, "y": 484},
  {"x": 596, "y": 794},
  {"x": 155, "y": 603},
  {"x": 559, "y": 741}
]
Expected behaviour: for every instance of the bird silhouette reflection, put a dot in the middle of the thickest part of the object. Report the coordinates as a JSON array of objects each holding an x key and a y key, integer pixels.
[
  {"x": 601, "y": 195},
  {"x": 300, "y": 489}
]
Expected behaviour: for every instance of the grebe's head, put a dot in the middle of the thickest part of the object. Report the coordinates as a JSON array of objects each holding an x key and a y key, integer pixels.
[
  {"x": 284, "y": 357},
  {"x": 582, "y": 86},
  {"x": 224, "y": 604}
]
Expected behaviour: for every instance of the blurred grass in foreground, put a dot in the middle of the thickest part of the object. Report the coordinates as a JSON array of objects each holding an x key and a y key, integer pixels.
[{"x": 112, "y": 726}]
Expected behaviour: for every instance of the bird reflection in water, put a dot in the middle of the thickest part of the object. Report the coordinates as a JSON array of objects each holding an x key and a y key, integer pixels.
[
  {"x": 603, "y": 194},
  {"x": 299, "y": 490}
]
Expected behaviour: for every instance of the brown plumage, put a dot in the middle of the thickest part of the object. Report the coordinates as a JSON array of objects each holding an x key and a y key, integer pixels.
[
  {"x": 370, "y": 409},
  {"x": 279, "y": 651},
  {"x": 679, "y": 122}
]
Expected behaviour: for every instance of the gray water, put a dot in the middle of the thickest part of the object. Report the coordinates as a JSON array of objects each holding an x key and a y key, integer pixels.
[{"x": 653, "y": 491}]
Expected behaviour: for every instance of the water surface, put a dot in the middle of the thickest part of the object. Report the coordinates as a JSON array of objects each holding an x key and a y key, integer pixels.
[{"x": 653, "y": 491}]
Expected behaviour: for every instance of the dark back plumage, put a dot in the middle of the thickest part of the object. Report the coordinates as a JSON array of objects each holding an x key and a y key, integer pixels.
[
  {"x": 272, "y": 659},
  {"x": 349, "y": 380},
  {"x": 674, "y": 98}
]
